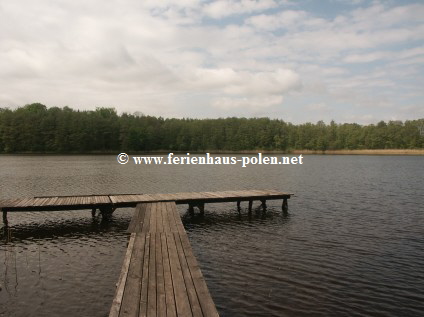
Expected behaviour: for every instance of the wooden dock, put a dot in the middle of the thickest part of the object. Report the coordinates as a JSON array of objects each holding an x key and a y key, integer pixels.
[
  {"x": 108, "y": 203},
  {"x": 160, "y": 275}
]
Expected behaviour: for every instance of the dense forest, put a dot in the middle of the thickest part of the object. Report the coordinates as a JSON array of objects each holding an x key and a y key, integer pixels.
[{"x": 35, "y": 128}]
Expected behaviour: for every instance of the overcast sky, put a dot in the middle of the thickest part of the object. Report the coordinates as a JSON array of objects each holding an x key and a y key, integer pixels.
[{"x": 351, "y": 61}]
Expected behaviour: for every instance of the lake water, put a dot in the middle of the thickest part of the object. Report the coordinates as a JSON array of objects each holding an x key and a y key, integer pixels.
[{"x": 351, "y": 245}]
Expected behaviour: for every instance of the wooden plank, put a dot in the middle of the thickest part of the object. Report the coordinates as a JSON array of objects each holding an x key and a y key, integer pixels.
[
  {"x": 191, "y": 291},
  {"x": 171, "y": 219},
  {"x": 151, "y": 292},
  {"x": 145, "y": 278},
  {"x": 161, "y": 197},
  {"x": 165, "y": 218},
  {"x": 153, "y": 217},
  {"x": 132, "y": 291},
  {"x": 141, "y": 218},
  {"x": 146, "y": 223},
  {"x": 205, "y": 299},
  {"x": 105, "y": 200},
  {"x": 71, "y": 201},
  {"x": 160, "y": 282},
  {"x": 259, "y": 193},
  {"x": 135, "y": 218},
  {"x": 169, "y": 290},
  {"x": 114, "y": 199},
  {"x": 159, "y": 217},
  {"x": 21, "y": 202},
  {"x": 38, "y": 201},
  {"x": 144, "y": 198},
  {"x": 208, "y": 195},
  {"x": 60, "y": 201},
  {"x": 9, "y": 203},
  {"x": 190, "y": 195},
  {"x": 51, "y": 202},
  {"x": 45, "y": 202},
  {"x": 173, "y": 196},
  {"x": 240, "y": 194},
  {"x": 119, "y": 293},
  {"x": 177, "y": 219},
  {"x": 182, "y": 302}
]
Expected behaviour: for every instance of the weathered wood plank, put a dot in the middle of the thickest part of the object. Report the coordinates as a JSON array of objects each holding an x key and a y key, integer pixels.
[
  {"x": 141, "y": 218},
  {"x": 173, "y": 227},
  {"x": 152, "y": 287},
  {"x": 160, "y": 289},
  {"x": 119, "y": 293},
  {"x": 177, "y": 219},
  {"x": 182, "y": 302},
  {"x": 131, "y": 297},
  {"x": 159, "y": 216},
  {"x": 146, "y": 222},
  {"x": 191, "y": 291},
  {"x": 169, "y": 290},
  {"x": 135, "y": 220},
  {"x": 166, "y": 220},
  {"x": 145, "y": 278},
  {"x": 153, "y": 217},
  {"x": 206, "y": 301}
]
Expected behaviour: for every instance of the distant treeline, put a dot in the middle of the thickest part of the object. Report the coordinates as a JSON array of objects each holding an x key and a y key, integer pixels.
[{"x": 34, "y": 128}]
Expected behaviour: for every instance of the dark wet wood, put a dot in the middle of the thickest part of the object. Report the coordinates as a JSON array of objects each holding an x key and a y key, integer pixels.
[{"x": 160, "y": 275}]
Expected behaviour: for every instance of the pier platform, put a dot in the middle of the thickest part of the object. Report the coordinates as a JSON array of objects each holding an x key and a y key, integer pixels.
[
  {"x": 160, "y": 275},
  {"x": 52, "y": 203}
]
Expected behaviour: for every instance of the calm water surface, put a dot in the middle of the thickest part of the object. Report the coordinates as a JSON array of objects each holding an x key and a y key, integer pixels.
[{"x": 352, "y": 244}]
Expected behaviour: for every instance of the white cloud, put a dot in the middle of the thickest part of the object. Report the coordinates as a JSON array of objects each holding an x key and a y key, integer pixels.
[
  {"x": 245, "y": 83},
  {"x": 320, "y": 107},
  {"x": 288, "y": 19},
  {"x": 172, "y": 56},
  {"x": 223, "y": 8},
  {"x": 247, "y": 103},
  {"x": 384, "y": 55}
]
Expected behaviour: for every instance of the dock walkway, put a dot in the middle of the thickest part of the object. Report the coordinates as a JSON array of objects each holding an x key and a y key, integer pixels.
[
  {"x": 160, "y": 275},
  {"x": 54, "y": 203}
]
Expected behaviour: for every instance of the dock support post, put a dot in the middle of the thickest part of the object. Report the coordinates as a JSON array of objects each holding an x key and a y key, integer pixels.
[
  {"x": 93, "y": 212},
  {"x": 201, "y": 207},
  {"x": 238, "y": 204},
  {"x": 250, "y": 205},
  {"x": 191, "y": 209},
  {"x": 285, "y": 205},
  {"x": 106, "y": 212},
  {"x": 263, "y": 201},
  {"x": 5, "y": 221}
]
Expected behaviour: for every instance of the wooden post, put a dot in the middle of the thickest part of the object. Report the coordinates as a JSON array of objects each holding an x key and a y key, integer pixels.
[
  {"x": 238, "y": 206},
  {"x": 191, "y": 209},
  {"x": 285, "y": 205},
  {"x": 5, "y": 221},
  {"x": 263, "y": 204},
  {"x": 93, "y": 212},
  {"x": 250, "y": 205},
  {"x": 106, "y": 212},
  {"x": 201, "y": 207}
]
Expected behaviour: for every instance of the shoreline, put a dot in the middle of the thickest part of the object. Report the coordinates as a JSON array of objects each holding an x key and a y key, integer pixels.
[
  {"x": 415, "y": 152},
  {"x": 409, "y": 152}
]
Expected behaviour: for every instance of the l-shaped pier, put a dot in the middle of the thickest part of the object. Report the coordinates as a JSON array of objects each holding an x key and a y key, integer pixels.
[{"x": 160, "y": 275}]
